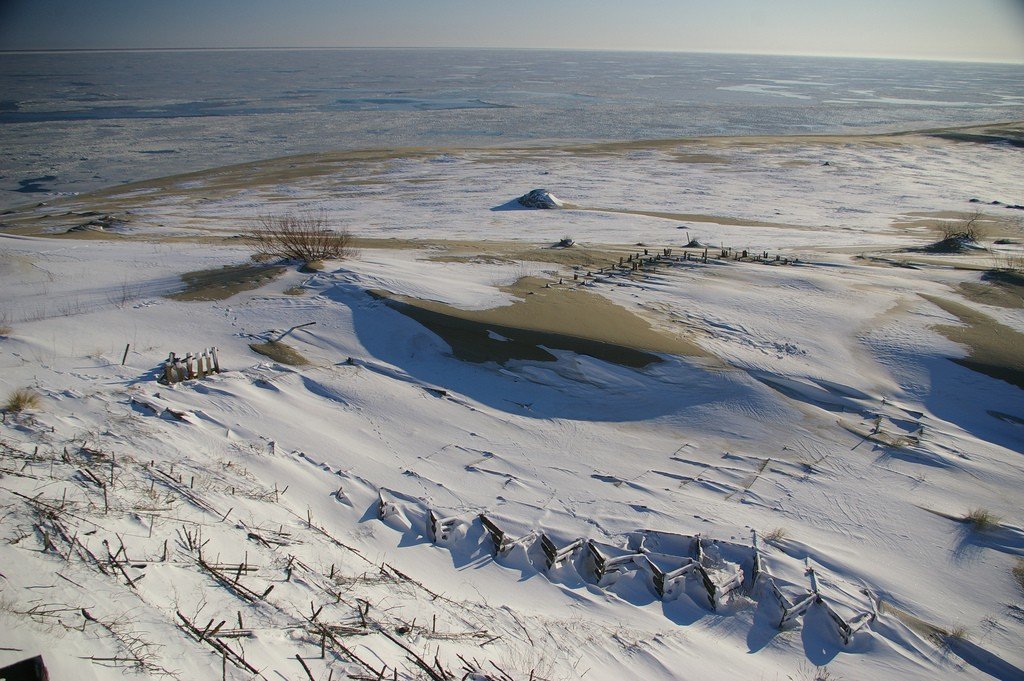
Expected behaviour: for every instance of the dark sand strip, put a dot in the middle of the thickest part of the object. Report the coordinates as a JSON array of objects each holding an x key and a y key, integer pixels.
[
  {"x": 223, "y": 282},
  {"x": 996, "y": 350},
  {"x": 556, "y": 318}
]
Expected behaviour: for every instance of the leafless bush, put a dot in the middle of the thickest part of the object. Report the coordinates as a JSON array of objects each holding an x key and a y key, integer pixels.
[
  {"x": 126, "y": 293},
  {"x": 1012, "y": 262},
  {"x": 134, "y": 651},
  {"x": 305, "y": 237},
  {"x": 778, "y": 534},
  {"x": 968, "y": 230}
]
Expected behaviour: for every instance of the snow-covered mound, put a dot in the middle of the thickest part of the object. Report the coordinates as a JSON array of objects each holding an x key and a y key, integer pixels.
[{"x": 540, "y": 198}]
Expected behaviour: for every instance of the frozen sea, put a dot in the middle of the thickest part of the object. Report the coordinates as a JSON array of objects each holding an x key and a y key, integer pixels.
[{"x": 72, "y": 122}]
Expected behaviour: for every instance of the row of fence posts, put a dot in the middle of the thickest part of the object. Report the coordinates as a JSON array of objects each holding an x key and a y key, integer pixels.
[
  {"x": 664, "y": 582},
  {"x": 177, "y": 369},
  {"x": 640, "y": 262},
  {"x": 791, "y": 610},
  {"x": 763, "y": 256},
  {"x": 438, "y": 529},
  {"x": 644, "y": 262}
]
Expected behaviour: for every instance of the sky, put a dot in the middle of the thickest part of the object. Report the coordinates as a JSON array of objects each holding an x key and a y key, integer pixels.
[{"x": 985, "y": 30}]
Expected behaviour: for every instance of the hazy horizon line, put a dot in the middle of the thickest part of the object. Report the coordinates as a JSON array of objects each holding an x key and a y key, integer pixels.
[{"x": 326, "y": 48}]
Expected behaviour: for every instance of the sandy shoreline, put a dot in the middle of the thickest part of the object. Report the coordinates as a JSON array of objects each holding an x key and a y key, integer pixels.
[{"x": 273, "y": 171}]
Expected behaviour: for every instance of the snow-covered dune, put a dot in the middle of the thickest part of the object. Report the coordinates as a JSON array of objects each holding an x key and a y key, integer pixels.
[{"x": 791, "y": 498}]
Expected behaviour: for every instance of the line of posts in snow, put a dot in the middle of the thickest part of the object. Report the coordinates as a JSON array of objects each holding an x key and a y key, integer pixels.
[{"x": 647, "y": 263}]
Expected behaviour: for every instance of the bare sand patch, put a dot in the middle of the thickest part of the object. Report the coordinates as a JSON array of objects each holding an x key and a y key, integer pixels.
[
  {"x": 998, "y": 288},
  {"x": 995, "y": 350},
  {"x": 280, "y": 352},
  {"x": 696, "y": 217},
  {"x": 695, "y": 157},
  {"x": 223, "y": 282},
  {"x": 545, "y": 317},
  {"x": 512, "y": 252},
  {"x": 987, "y": 225}
]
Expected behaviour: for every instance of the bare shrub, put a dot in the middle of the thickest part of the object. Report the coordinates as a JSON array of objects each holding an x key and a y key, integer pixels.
[
  {"x": 22, "y": 399},
  {"x": 968, "y": 230},
  {"x": 1012, "y": 262},
  {"x": 125, "y": 294},
  {"x": 305, "y": 237},
  {"x": 981, "y": 519},
  {"x": 775, "y": 535}
]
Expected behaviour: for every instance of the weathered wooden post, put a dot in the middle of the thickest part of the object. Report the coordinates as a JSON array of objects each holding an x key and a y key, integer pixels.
[
  {"x": 431, "y": 526},
  {"x": 756, "y": 567},
  {"x": 169, "y": 368},
  {"x": 812, "y": 577},
  {"x": 598, "y": 559},
  {"x": 498, "y": 538}
]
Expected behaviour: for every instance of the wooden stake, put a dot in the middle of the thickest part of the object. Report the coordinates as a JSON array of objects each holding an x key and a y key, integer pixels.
[
  {"x": 303, "y": 663},
  {"x": 292, "y": 329}
]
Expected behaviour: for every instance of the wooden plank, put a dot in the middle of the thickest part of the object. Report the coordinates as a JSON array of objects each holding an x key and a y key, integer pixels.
[{"x": 497, "y": 536}]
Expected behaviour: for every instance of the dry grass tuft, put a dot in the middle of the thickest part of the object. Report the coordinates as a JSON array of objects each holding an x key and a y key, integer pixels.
[
  {"x": 816, "y": 673},
  {"x": 946, "y": 638},
  {"x": 22, "y": 399},
  {"x": 775, "y": 535},
  {"x": 981, "y": 519}
]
